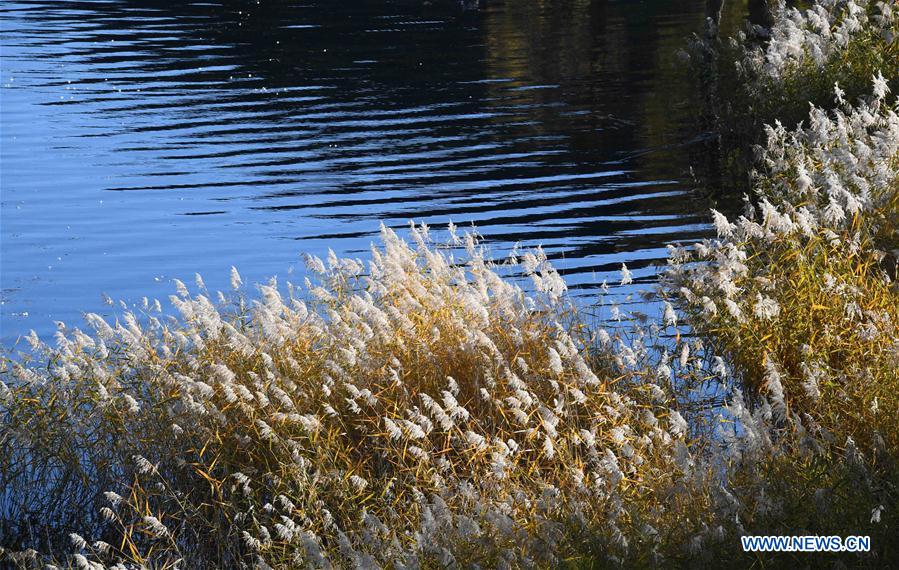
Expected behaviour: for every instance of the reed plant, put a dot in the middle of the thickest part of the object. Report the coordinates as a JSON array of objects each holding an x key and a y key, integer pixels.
[
  {"x": 411, "y": 414},
  {"x": 799, "y": 296},
  {"x": 762, "y": 76}
]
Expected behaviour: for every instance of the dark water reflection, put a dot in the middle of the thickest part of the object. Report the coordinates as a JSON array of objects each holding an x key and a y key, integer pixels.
[{"x": 145, "y": 140}]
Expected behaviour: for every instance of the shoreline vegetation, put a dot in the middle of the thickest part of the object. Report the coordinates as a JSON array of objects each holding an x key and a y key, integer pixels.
[{"x": 425, "y": 410}]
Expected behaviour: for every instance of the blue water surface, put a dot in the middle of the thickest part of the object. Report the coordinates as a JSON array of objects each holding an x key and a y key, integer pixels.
[{"x": 148, "y": 140}]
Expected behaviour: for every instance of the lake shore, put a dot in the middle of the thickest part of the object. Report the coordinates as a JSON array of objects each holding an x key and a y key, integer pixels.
[{"x": 427, "y": 409}]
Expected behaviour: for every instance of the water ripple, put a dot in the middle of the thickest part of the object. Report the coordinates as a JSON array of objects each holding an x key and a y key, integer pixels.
[{"x": 145, "y": 140}]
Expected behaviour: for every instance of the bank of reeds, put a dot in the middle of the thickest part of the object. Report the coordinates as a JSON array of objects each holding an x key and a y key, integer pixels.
[
  {"x": 763, "y": 76},
  {"x": 411, "y": 413},
  {"x": 800, "y": 297}
]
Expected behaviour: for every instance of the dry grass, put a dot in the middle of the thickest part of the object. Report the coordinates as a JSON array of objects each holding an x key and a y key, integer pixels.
[
  {"x": 800, "y": 298},
  {"x": 422, "y": 413}
]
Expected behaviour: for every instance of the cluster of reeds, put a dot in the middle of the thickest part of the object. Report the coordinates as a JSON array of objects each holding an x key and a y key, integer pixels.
[
  {"x": 809, "y": 50},
  {"x": 763, "y": 76},
  {"x": 799, "y": 296},
  {"x": 415, "y": 413}
]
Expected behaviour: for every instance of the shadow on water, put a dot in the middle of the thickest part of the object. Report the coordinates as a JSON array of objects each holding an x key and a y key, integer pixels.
[{"x": 144, "y": 141}]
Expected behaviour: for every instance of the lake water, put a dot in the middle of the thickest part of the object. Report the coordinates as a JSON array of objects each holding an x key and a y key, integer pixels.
[{"x": 148, "y": 140}]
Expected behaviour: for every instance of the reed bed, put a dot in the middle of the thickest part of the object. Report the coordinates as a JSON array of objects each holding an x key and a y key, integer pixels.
[
  {"x": 411, "y": 415},
  {"x": 764, "y": 76},
  {"x": 799, "y": 296}
]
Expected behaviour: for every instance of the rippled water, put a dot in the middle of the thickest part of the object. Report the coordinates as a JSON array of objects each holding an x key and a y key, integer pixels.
[{"x": 148, "y": 140}]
